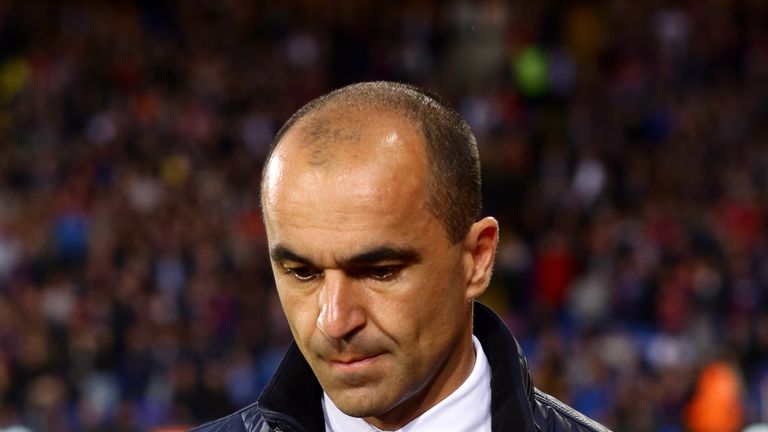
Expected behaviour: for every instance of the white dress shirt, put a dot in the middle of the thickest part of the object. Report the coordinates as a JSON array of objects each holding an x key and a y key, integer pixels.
[{"x": 467, "y": 409}]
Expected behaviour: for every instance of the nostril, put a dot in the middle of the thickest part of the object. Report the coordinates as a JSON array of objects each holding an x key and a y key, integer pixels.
[{"x": 340, "y": 321}]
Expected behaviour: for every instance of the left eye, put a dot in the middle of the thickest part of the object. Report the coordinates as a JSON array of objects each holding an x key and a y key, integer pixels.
[{"x": 381, "y": 273}]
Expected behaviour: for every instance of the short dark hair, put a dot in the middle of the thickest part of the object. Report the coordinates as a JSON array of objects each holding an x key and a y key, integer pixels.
[{"x": 454, "y": 180}]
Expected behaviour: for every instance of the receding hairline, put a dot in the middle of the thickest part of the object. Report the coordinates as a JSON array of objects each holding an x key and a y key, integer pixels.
[
  {"x": 327, "y": 123},
  {"x": 336, "y": 126},
  {"x": 337, "y": 138},
  {"x": 453, "y": 171},
  {"x": 397, "y": 98}
]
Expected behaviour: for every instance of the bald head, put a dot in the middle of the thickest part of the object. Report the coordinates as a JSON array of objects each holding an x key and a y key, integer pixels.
[{"x": 341, "y": 127}]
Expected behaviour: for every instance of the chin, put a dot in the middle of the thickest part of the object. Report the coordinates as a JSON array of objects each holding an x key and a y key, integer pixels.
[{"x": 359, "y": 405}]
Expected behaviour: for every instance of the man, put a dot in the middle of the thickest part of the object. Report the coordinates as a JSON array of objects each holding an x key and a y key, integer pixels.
[{"x": 371, "y": 197}]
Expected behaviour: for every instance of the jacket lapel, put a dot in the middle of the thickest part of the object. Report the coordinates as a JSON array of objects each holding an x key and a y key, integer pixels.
[
  {"x": 511, "y": 386},
  {"x": 291, "y": 399}
]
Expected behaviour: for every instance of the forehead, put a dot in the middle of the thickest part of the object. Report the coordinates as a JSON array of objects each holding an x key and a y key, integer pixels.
[
  {"x": 360, "y": 169},
  {"x": 336, "y": 143}
]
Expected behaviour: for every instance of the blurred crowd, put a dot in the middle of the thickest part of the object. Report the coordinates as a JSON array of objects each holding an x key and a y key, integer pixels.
[{"x": 624, "y": 150}]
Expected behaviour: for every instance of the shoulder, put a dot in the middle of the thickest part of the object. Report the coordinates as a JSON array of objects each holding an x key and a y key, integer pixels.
[
  {"x": 554, "y": 416},
  {"x": 248, "y": 419}
]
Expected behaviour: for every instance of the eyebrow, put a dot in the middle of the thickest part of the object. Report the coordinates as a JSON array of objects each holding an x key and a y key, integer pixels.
[{"x": 281, "y": 253}]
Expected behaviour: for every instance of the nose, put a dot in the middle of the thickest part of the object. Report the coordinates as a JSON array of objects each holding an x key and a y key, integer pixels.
[{"x": 341, "y": 313}]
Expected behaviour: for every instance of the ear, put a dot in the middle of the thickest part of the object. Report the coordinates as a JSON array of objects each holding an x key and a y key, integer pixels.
[{"x": 479, "y": 254}]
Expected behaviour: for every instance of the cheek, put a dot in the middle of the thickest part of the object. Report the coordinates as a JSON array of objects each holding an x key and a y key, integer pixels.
[
  {"x": 301, "y": 313},
  {"x": 428, "y": 308}
]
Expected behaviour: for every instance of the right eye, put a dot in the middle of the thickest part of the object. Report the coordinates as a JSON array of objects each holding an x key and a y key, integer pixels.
[{"x": 302, "y": 274}]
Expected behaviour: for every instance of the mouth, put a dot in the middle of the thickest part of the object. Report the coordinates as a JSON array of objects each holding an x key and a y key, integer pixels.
[{"x": 353, "y": 363}]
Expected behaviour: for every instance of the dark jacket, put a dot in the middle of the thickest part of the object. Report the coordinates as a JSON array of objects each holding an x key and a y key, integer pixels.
[{"x": 291, "y": 400}]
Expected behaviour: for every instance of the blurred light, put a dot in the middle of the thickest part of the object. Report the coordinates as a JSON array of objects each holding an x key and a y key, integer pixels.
[
  {"x": 716, "y": 404},
  {"x": 175, "y": 170},
  {"x": 530, "y": 69},
  {"x": 14, "y": 74},
  {"x": 16, "y": 429}
]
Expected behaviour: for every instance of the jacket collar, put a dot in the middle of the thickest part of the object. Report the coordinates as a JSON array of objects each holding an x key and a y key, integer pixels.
[
  {"x": 291, "y": 399},
  {"x": 511, "y": 385}
]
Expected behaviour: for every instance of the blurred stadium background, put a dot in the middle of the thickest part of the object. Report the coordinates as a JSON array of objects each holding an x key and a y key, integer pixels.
[{"x": 624, "y": 148}]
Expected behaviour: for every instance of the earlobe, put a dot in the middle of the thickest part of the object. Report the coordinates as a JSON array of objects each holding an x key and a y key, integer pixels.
[{"x": 480, "y": 250}]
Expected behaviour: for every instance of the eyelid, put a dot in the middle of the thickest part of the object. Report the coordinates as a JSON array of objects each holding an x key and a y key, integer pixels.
[
  {"x": 294, "y": 272},
  {"x": 391, "y": 271}
]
